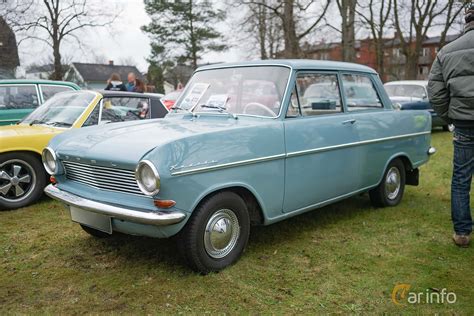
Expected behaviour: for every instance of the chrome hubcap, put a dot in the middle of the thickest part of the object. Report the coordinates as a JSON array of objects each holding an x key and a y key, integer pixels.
[
  {"x": 16, "y": 180},
  {"x": 392, "y": 183},
  {"x": 221, "y": 234}
]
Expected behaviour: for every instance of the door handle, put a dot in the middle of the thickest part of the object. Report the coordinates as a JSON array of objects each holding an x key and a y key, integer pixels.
[{"x": 347, "y": 122}]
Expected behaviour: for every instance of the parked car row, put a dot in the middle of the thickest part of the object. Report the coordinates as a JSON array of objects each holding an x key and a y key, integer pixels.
[{"x": 244, "y": 144}]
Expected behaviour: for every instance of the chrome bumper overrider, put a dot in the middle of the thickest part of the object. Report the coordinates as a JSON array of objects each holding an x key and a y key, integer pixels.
[
  {"x": 431, "y": 151},
  {"x": 159, "y": 218}
]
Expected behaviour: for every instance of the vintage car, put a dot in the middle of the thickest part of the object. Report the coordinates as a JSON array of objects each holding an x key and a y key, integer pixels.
[
  {"x": 412, "y": 95},
  {"x": 216, "y": 165},
  {"x": 22, "y": 176},
  {"x": 19, "y": 97}
]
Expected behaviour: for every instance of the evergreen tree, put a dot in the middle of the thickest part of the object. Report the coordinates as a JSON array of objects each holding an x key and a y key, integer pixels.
[{"x": 183, "y": 30}]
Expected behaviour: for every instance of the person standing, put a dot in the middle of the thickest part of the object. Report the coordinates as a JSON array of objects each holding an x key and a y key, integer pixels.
[
  {"x": 115, "y": 83},
  {"x": 132, "y": 78},
  {"x": 451, "y": 93}
]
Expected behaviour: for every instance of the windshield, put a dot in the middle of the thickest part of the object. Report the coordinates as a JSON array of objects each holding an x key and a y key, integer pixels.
[
  {"x": 62, "y": 110},
  {"x": 406, "y": 90},
  {"x": 241, "y": 90}
]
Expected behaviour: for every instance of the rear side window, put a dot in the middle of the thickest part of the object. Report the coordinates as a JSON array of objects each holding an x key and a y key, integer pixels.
[
  {"x": 360, "y": 93},
  {"x": 50, "y": 90},
  {"x": 18, "y": 97}
]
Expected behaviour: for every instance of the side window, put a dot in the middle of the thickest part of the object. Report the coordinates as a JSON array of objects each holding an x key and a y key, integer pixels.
[
  {"x": 318, "y": 94},
  {"x": 293, "y": 108},
  {"x": 93, "y": 118},
  {"x": 18, "y": 97},
  {"x": 360, "y": 93},
  {"x": 120, "y": 109},
  {"x": 50, "y": 90}
]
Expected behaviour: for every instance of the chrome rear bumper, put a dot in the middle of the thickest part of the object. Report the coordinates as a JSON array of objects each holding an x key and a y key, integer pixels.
[{"x": 150, "y": 218}]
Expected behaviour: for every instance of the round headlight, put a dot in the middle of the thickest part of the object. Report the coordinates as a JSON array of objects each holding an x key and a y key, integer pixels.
[
  {"x": 147, "y": 177},
  {"x": 49, "y": 161},
  {"x": 397, "y": 106}
]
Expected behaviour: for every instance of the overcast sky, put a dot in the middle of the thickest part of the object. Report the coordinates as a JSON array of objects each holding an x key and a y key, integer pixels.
[{"x": 122, "y": 42}]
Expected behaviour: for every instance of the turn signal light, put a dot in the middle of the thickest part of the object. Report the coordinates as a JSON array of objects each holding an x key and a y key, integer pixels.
[
  {"x": 164, "y": 203},
  {"x": 52, "y": 179}
]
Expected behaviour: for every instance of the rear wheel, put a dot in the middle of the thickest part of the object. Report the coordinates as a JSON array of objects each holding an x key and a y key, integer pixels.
[
  {"x": 22, "y": 180},
  {"x": 216, "y": 234},
  {"x": 94, "y": 232},
  {"x": 390, "y": 191}
]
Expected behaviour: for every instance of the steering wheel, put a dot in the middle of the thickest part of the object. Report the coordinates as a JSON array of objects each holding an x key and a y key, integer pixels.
[{"x": 258, "y": 105}]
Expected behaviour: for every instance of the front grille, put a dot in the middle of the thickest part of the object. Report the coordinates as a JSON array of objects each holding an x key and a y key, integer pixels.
[{"x": 103, "y": 178}]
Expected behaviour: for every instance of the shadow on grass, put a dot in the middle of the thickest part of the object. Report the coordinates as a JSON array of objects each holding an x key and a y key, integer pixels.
[{"x": 136, "y": 250}]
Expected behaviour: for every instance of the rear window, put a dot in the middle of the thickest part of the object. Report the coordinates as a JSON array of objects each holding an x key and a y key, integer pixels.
[
  {"x": 51, "y": 90},
  {"x": 18, "y": 97}
]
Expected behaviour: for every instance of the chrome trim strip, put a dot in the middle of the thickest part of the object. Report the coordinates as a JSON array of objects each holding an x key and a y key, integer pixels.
[
  {"x": 158, "y": 218},
  {"x": 228, "y": 165},
  {"x": 292, "y": 154},
  {"x": 364, "y": 142}
]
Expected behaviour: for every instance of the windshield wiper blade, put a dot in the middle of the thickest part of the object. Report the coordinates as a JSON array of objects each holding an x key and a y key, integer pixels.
[
  {"x": 34, "y": 122},
  {"x": 221, "y": 109},
  {"x": 59, "y": 124}
]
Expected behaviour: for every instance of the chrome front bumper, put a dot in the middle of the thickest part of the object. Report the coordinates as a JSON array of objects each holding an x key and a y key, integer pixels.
[{"x": 159, "y": 218}]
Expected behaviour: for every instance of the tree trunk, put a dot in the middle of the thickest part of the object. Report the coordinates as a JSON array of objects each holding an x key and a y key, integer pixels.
[
  {"x": 411, "y": 66},
  {"x": 262, "y": 30},
  {"x": 58, "y": 68},
  {"x": 292, "y": 46},
  {"x": 347, "y": 8}
]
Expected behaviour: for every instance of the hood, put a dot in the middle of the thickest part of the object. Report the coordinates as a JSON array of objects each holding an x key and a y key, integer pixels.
[
  {"x": 27, "y": 130},
  {"x": 405, "y": 99},
  {"x": 128, "y": 142},
  {"x": 25, "y": 137}
]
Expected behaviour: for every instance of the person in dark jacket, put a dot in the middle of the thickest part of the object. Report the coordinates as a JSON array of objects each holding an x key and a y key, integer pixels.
[
  {"x": 115, "y": 83},
  {"x": 451, "y": 93}
]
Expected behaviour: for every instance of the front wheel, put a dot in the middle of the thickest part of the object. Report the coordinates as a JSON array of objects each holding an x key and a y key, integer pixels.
[
  {"x": 390, "y": 191},
  {"x": 216, "y": 234},
  {"x": 22, "y": 180}
]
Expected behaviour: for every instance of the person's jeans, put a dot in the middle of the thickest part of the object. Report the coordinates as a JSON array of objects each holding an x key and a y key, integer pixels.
[{"x": 463, "y": 166}]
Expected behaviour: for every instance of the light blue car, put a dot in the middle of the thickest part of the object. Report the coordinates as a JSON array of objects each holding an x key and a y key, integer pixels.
[{"x": 242, "y": 146}]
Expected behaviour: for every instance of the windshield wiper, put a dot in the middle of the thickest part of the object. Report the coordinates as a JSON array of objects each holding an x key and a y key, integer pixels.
[
  {"x": 221, "y": 109},
  {"x": 59, "y": 124},
  {"x": 36, "y": 122}
]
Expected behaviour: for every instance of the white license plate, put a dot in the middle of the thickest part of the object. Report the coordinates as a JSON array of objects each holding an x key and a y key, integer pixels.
[{"x": 91, "y": 219}]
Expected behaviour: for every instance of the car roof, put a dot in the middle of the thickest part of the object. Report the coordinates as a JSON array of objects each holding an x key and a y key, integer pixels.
[
  {"x": 297, "y": 64},
  {"x": 39, "y": 81},
  {"x": 408, "y": 82},
  {"x": 126, "y": 94}
]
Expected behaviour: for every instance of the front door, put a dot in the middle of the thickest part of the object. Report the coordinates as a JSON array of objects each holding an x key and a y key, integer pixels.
[{"x": 322, "y": 160}]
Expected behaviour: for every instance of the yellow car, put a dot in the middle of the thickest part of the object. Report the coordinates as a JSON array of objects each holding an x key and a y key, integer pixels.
[{"x": 22, "y": 175}]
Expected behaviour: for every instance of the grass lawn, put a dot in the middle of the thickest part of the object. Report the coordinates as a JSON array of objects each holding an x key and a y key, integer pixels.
[{"x": 344, "y": 258}]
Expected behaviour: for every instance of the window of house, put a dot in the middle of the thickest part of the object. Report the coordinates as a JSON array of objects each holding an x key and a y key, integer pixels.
[{"x": 360, "y": 92}]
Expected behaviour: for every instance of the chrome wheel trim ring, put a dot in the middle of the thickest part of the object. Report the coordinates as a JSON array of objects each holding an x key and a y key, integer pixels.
[
  {"x": 221, "y": 234},
  {"x": 11, "y": 181},
  {"x": 392, "y": 183}
]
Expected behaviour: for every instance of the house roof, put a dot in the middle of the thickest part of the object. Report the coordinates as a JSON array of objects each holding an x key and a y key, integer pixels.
[
  {"x": 298, "y": 64},
  {"x": 40, "y": 68},
  {"x": 102, "y": 72}
]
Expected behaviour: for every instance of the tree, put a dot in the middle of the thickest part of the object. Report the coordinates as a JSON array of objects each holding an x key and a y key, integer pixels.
[
  {"x": 8, "y": 51},
  {"x": 292, "y": 13},
  {"x": 347, "y": 9},
  {"x": 413, "y": 19},
  {"x": 183, "y": 30},
  {"x": 54, "y": 21},
  {"x": 375, "y": 17},
  {"x": 451, "y": 14}
]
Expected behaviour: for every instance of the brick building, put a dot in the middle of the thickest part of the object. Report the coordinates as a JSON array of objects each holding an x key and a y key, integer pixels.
[{"x": 394, "y": 62}]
